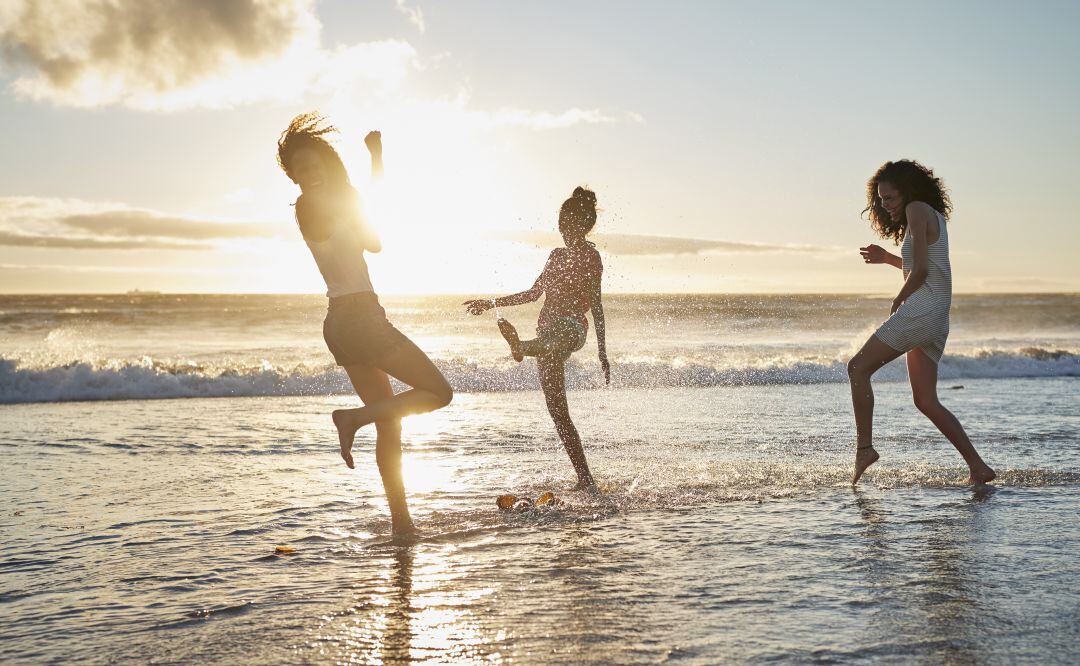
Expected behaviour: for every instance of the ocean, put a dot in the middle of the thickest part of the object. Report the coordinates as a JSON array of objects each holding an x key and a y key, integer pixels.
[{"x": 158, "y": 449}]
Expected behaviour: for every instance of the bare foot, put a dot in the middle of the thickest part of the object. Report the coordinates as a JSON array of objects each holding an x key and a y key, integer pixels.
[
  {"x": 346, "y": 432},
  {"x": 510, "y": 333},
  {"x": 587, "y": 486},
  {"x": 863, "y": 459},
  {"x": 981, "y": 475},
  {"x": 404, "y": 535}
]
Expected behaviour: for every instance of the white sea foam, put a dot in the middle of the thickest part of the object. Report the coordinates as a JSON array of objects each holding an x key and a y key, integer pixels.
[{"x": 153, "y": 379}]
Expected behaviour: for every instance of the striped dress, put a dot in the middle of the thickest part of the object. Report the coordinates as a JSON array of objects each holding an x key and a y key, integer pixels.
[{"x": 923, "y": 319}]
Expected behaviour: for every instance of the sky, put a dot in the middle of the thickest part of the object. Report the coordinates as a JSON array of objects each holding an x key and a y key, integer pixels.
[{"x": 729, "y": 143}]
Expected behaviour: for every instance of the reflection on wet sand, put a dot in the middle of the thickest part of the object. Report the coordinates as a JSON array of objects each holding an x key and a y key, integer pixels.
[
  {"x": 423, "y": 612},
  {"x": 950, "y": 602},
  {"x": 395, "y": 645},
  {"x": 874, "y": 515},
  {"x": 584, "y": 579},
  {"x": 924, "y": 572}
]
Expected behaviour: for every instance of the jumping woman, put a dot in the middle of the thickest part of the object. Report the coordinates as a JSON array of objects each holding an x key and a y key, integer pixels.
[
  {"x": 356, "y": 330},
  {"x": 906, "y": 202},
  {"x": 571, "y": 280}
]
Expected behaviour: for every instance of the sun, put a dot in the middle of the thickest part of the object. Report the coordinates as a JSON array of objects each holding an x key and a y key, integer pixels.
[
  {"x": 442, "y": 197},
  {"x": 443, "y": 208}
]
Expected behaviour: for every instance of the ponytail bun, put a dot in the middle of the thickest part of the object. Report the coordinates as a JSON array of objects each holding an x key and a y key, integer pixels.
[
  {"x": 587, "y": 197},
  {"x": 579, "y": 211}
]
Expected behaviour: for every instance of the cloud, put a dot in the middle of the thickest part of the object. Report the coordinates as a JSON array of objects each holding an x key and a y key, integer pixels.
[
  {"x": 77, "y": 224},
  {"x": 454, "y": 115},
  {"x": 1021, "y": 283},
  {"x": 12, "y": 239},
  {"x": 148, "y": 223},
  {"x": 544, "y": 120},
  {"x": 173, "y": 54},
  {"x": 646, "y": 245},
  {"x": 414, "y": 14},
  {"x": 139, "y": 270},
  {"x": 634, "y": 244},
  {"x": 170, "y": 55}
]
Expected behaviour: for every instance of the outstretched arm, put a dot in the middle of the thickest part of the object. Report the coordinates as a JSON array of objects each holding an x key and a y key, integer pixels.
[
  {"x": 480, "y": 305},
  {"x": 528, "y": 296},
  {"x": 601, "y": 334},
  {"x": 875, "y": 254},
  {"x": 918, "y": 217}
]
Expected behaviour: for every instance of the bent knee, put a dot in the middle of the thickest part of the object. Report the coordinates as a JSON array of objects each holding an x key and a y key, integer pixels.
[
  {"x": 927, "y": 405},
  {"x": 855, "y": 368},
  {"x": 443, "y": 394}
]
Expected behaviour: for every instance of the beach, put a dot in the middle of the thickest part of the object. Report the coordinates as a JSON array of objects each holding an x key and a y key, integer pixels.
[{"x": 159, "y": 449}]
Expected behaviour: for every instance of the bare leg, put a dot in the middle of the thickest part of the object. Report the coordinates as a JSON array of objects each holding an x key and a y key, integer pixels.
[
  {"x": 373, "y": 385},
  {"x": 922, "y": 372},
  {"x": 553, "y": 381},
  {"x": 539, "y": 346},
  {"x": 873, "y": 355},
  {"x": 510, "y": 334},
  {"x": 409, "y": 364}
]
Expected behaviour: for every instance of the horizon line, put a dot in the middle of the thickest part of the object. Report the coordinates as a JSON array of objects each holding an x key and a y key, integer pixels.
[{"x": 155, "y": 292}]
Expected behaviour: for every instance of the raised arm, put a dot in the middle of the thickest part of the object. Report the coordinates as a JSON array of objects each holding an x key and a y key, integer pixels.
[
  {"x": 370, "y": 237},
  {"x": 372, "y": 242},
  {"x": 601, "y": 334},
  {"x": 318, "y": 215},
  {"x": 373, "y": 141},
  {"x": 918, "y": 217}
]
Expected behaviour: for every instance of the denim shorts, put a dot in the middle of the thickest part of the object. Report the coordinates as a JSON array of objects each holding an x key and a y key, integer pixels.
[{"x": 357, "y": 332}]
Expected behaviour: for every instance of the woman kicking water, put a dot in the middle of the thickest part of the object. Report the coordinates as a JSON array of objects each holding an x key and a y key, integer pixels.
[
  {"x": 571, "y": 280},
  {"x": 356, "y": 330},
  {"x": 906, "y": 202}
]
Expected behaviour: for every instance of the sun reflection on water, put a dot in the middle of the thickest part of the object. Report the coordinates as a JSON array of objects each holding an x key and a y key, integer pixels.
[
  {"x": 419, "y": 612},
  {"x": 426, "y": 474}
]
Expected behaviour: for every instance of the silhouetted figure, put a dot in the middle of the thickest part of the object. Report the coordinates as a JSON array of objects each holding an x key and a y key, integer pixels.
[
  {"x": 906, "y": 202},
  {"x": 571, "y": 281},
  {"x": 356, "y": 330}
]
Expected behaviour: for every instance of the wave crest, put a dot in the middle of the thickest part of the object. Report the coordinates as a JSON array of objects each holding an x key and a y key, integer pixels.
[{"x": 148, "y": 379}]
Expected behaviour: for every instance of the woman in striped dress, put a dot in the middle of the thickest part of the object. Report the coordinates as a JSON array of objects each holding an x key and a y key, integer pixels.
[{"x": 907, "y": 202}]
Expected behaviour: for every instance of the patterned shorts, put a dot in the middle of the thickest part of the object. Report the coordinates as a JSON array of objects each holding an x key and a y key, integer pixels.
[{"x": 562, "y": 337}]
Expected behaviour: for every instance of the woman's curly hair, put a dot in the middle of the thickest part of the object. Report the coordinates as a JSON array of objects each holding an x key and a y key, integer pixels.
[
  {"x": 915, "y": 182},
  {"x": 309, "y": 130}
]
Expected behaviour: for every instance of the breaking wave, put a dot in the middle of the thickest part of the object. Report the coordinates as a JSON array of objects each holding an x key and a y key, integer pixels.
[{"x": 148, "y": 379}]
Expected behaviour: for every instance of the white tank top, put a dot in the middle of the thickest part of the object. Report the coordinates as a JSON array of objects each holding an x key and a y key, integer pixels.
[{"x": 340, "y": 259}]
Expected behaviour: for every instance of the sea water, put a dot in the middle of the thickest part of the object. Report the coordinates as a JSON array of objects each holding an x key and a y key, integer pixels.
[{"x": 157, "y": 450}]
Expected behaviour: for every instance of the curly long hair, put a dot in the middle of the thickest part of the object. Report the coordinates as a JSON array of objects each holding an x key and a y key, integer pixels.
[
  {"x": 915, "y": 182},
  {"x": 309, "y": 130}
]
